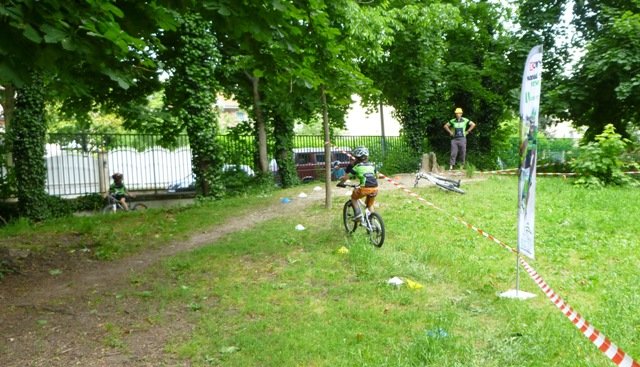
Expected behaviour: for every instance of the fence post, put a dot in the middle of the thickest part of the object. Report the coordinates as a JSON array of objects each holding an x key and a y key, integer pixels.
[{"x": 103, "y": 171}]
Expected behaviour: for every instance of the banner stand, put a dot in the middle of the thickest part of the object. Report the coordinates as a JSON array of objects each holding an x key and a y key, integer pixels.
[
  {"x": 517, "y": 293},
  {"x": 529, "y": 111}
]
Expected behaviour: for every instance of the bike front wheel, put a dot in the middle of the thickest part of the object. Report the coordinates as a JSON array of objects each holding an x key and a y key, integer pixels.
[
  {"x": 139, "y": 206},
  {"x": 376, "y": 233},
  {"x": 111, "y": 209},
  {"x": 451, "y": 187},
  {"x": 348, "y": 213}
]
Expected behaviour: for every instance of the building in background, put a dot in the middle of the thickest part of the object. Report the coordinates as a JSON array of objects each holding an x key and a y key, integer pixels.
[
  {"x": 230, "y": 113},
  {"x": 360, "y": 122},
  {"x": 564, "y": 129}
]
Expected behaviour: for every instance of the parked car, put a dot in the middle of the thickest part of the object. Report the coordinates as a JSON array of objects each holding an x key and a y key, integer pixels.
[
  {"x": 310, "y": 162},
  {"x": 188, "y": 183}
]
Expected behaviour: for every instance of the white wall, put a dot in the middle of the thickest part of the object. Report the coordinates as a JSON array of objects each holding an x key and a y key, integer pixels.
[{"x": 358, "y": 122}]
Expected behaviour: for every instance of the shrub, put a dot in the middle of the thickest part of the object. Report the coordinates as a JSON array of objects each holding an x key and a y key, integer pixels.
[{"x": 600, "y": 163}]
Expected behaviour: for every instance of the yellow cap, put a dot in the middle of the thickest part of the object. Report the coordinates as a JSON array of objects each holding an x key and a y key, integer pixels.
[{"x": 458, "y": 110}]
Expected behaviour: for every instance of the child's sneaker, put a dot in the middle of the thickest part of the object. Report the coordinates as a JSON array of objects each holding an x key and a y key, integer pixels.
[{"x": 359, "y": 218}]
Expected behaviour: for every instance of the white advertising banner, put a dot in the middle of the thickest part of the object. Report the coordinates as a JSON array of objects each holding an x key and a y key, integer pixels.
[{"x": 529, "y": 110}]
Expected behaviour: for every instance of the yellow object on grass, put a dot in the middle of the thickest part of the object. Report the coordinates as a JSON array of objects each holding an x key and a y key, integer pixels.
[
  {"x": 413, "y": 285},
  {"x": 343, "y": 250}
]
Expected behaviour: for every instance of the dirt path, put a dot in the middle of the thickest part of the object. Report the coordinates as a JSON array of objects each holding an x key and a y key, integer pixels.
[
  {"x": 50, "y": 320},
  {"x": 74, "y": 318}
]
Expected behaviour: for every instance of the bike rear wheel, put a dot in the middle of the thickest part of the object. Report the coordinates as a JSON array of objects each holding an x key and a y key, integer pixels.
[
  {"x": 348, "y": 213},
  {"x": 376, "y": 234}
]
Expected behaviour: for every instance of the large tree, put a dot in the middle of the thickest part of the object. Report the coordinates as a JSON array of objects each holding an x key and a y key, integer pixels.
[
  {"x": 190, "y": 57},
  {"x": 605, "y": 86},
  {"x": 72, "y": 50},
  {"x": 446, "y": 55},
  {"x": 280, "y": 60},
  {"x": 602, "y": 86}
]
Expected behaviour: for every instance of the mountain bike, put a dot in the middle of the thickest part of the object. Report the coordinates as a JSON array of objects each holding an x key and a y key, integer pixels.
[
  {"x": 115, "y": 205},
  {"x": 371, "y": 222},
  {"x": 440, "y": 181}
]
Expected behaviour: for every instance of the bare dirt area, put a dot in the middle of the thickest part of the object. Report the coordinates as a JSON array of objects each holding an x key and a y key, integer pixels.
[{"x": 73, "y": 318}]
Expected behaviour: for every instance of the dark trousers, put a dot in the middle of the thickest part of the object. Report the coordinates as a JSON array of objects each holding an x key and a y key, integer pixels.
[{"x": 458, "y": 146}]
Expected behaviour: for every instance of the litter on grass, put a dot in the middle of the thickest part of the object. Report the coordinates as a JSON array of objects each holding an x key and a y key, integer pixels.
[
  {"x": 437, "y": 333},
  {"x": 413, "y": 285},
  {"x": 300, "y": 227},
  {"x": 395, "y": 281}
]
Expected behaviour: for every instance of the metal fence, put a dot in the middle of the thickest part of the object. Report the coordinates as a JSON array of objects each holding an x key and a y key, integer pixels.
[{"x": 80, "y": 164}]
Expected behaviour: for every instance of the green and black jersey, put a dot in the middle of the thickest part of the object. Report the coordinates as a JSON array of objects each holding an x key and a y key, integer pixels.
[{"x": 365, "y": 172}]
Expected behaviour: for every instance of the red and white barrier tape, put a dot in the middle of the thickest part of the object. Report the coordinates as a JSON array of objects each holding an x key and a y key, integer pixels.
[
  {"x": 507, "y": 170},
  {"x": 615, "y": 354},
  {"x": 514, "y": 171},
  {"x": 537, "y": 173}
]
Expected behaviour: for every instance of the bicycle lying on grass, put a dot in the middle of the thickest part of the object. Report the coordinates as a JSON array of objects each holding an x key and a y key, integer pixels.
[
  {"x": 372, "y": 222},
  {"x": 440, "y": 181},
  {"x": 115, "y": 205}
]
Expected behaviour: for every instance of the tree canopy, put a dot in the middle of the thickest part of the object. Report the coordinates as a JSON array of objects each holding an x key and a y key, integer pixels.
[{"x": 300, "y": 60}]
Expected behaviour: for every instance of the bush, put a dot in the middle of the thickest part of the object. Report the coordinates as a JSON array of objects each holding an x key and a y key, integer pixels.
[
  {"x": 91, "y": 202},
  {"x": 600, "y": 163}
]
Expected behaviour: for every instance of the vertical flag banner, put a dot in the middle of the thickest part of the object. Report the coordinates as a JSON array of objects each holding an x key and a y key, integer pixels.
[{"x": 529, "y": 109}]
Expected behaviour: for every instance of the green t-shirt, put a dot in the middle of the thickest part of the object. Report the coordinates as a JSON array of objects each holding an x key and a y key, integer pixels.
[
  {"x": 365, "y": 172},
  {"x": 118, "y": 189},
  {"x": 459, "y": 127}
]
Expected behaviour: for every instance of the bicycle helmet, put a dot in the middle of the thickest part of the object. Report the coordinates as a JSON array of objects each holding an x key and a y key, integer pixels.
[
  {"x": 361, "y": 152},
  {"x": 117, "y": 176}
]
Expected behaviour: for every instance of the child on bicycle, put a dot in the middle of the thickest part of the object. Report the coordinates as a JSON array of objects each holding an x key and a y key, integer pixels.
[
  {"x": 119, "y": 191},
  {"x": 367, "y": 176}
]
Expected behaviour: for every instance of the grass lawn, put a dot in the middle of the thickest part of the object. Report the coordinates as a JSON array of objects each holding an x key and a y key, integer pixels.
[{"x": 274, "y": 296}]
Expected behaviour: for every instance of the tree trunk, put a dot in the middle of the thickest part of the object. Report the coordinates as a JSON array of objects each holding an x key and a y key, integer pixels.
[
  {"x": 327, "y": 150},
  {"x": 8, "y": 104},
  {"x": 28, "y": 131},
  {"x": 260, "y": 127},
  {"x": 283, "y": 134}
]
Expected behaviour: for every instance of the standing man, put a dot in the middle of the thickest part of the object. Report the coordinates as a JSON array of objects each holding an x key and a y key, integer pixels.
[{"x": 461, "y": 127}]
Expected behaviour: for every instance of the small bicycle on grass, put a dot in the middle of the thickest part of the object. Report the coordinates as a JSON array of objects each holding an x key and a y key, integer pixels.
[
  {"x": 440, "y": 181},
  {"x": 372, "y": 222},
  {"x": 115, "y": 205}
]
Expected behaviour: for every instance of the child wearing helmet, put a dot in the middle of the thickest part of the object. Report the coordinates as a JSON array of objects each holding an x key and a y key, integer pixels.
[
  {"x": 118, "y": 190},
  {"x": 367, "y": 176}
]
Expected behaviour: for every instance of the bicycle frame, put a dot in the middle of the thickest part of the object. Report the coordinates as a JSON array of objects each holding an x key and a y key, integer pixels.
[
  {"x": 440, "y": 181},
  {"x": 371, "y": 221},
  {"x": 114, "y": 205}
]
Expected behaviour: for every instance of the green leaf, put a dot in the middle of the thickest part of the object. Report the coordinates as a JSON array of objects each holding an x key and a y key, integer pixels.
[
  {"x": 257, "y": 73},
  {"x": 51, "y": 34},
  {"x": 112, "y": 9},
  {"x": 224, "y": 11},
  {"x": 124, "y": 84},
  {"x": 32, "y": 34}
]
